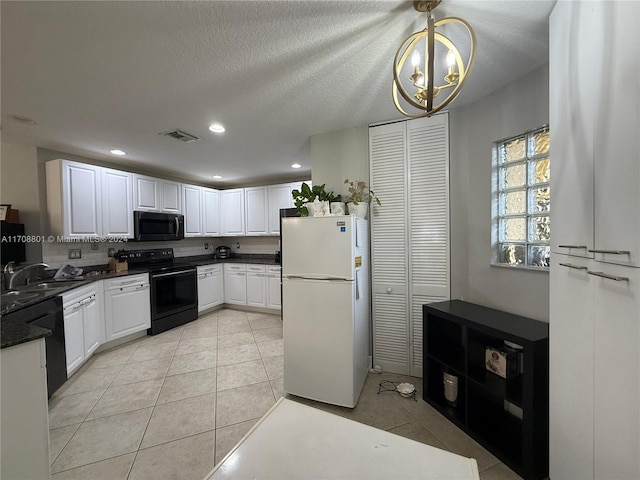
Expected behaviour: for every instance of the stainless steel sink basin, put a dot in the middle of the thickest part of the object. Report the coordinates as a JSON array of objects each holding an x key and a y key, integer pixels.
[{"x": 52, "y": 285}]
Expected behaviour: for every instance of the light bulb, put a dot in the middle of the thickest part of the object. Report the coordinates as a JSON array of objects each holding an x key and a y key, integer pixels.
[
  {"x": 451, "y": 59},
  {"x": 415, "y": 58}
]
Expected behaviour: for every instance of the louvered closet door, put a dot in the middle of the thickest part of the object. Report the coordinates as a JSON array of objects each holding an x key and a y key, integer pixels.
[
  {"x": 428, "y": 221},
  {"x": 387, "y": 154}
]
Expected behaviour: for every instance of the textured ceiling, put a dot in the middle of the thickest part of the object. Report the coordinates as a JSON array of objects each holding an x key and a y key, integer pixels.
[{"x": 114, "y": 74}]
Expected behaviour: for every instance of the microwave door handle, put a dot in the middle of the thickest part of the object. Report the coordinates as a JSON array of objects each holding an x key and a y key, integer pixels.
[{"x": 177, "y": 226}]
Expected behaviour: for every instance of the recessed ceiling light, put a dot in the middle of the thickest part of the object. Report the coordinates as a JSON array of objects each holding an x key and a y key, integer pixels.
[
  {"x": 296, "y": 165},
  {"x": 118, "y": 152},
  {"x": 217, "y": 177},
  {"x": 216, "y": 128}
]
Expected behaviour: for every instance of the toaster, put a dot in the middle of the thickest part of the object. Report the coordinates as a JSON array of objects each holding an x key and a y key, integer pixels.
[{"x": 223, "y": 252}]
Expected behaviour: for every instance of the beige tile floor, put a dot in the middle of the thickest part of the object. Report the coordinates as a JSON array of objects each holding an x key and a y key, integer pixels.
[{"x": 172, "y": 405}]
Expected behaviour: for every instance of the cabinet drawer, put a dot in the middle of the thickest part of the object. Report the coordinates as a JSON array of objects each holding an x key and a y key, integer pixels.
[
  {"x": 129, "y": 280},
  {"x": 209, "y": 269},
  {"x": 79, "y": 293},
  {"x": 235, "y": 267},
  {"x": 256, "y": 268}
]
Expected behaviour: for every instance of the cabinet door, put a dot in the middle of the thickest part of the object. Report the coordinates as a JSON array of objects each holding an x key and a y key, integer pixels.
[
  {"x": 146, "y": 193},
  {"x": 235, "y": 288},
  {"x": 127, "y": 310},
  {"x": 192, "y": 204},
  {"x": 616, "y": 66},
  {"x": 93, "y": 326},
  {"x": 210, "y": 212},
  {"x": 232, "y": 211},
  {"x": 617, "y": 372},
  {"x": 73, "y": 337},
  {"x": 387, "y": 153},
  {"x": 171, "y": 197},
  {"x": 117, "y": 203},
  {"x": 279, "y": 197},
  {"x": 256, "y": 213},
  {"x": 571, "y": 343},
  {"x": 573, "y": 32},
  {"x": 83, "y": 200},
  {"x": 256, "y": 286},
  {"x": 274, "y": 293}
]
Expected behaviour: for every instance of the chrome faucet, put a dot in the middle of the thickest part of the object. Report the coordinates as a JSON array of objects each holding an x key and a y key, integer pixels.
[{"x": 24, "y": 274}]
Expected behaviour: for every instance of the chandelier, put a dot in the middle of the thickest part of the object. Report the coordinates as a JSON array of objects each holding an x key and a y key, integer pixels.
[{"x": 433, "y": 55}]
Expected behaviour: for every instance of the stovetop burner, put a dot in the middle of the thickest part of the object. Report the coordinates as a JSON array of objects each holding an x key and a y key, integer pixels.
[{"x": 156, "y": 260}]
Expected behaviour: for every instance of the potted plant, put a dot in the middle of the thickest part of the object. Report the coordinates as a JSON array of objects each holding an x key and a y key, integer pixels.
[
  {"x": 313, "y": 201},
  {"x": 359, "y": 198}
]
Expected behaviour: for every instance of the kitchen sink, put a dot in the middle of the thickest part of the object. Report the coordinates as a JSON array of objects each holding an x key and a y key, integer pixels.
[
  {"x": 52, "y": 285},
  {"x": 13, "y": 295}
]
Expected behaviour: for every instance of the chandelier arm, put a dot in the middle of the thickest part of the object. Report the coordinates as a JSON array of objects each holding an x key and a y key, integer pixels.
[{"x": 414, "y": 39}]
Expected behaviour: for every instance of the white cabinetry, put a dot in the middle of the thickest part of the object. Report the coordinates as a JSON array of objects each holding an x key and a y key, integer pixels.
[
  {"x": 127, "y": 305},
  {"x": 24, "y": 416},
  {"x": 274, "y": 293},
  {"x": 256, "y": 211},
  {"x": 83, "y": 324},
  {"x": 235, "y": 283},
  {"x": 210, "y": 287},
  {"x": 256, "y": 286},
  {"x": 156, "y": 195},
  {"x": 280, "y": 196},
  {"x": 594, "y": 337},
  {"x": 409, "y": 170},
  {"x": 210, "y": 212},
  {"x": 117, "y": 203},
  {"x": 232, "y": 211},
  {"x": 192, "y": 208},
  {"x": 74, "y": 199}
]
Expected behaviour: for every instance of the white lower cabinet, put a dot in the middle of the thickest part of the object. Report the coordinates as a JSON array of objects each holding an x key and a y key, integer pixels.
[
  {"x": 274, "y": 292},
  {"x": 127, "y": 305},
  {"x": 210, "y": 287},
  {"x": 235, "y": 284},
  {"x": 83, "y": 324},
  {"x": 256, "y": 286}
]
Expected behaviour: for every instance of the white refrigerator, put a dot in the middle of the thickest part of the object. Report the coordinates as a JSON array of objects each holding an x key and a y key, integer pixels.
[{"x": 326, "y": 307}]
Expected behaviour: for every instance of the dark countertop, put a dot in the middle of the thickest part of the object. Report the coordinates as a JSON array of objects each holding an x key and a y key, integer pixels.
[{"x": 15, "y": 332}]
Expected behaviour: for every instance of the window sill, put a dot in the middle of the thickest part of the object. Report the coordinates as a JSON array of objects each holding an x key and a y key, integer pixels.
[{"x": 521, "y": 267}]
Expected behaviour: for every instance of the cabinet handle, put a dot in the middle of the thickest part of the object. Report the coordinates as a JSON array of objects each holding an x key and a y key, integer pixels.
[
  {"x": 610, "y": 277},
  {"x": 574, "y": 246},
  {"x": 613, "y": 252},
  {"x": 575, "y": 267}
]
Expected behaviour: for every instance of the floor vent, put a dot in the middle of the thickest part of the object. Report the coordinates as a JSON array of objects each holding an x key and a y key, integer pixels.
[{"x": 181, "y": 136}]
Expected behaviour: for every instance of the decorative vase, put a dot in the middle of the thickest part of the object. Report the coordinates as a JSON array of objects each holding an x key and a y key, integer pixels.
[
  {"x": 309, "y": 206},
  {"x": 320, "y": 208},
  {"x": 359, "y": 210},
  {"x": 338, "y": 208}
]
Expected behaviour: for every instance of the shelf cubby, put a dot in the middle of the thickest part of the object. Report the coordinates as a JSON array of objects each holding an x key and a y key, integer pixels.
[{"x": 509, "y": 417}]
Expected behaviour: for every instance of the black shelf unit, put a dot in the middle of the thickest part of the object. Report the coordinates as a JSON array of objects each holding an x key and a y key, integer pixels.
[{"x": 509, "y": 417}]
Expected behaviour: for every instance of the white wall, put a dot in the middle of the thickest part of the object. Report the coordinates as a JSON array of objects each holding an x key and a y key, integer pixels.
[
  {"x": 19, "y": 188},
  {"x": 338, "y": 155},
  {"x": 521, "y": 105}
]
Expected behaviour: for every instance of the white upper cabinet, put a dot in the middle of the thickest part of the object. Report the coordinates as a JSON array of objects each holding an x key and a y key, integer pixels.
[
  {"x": 232, "y": 211},
  {"x": 280, "y": 196},
  {"x": 156, "y": 195},
  {"x": 74, "y": 199},
  {"x": 210, "y": 212},
  {"x": 192, "y": 208},
  {"x": 117, "y": 203},
  {"x": 256, "y": 211}
]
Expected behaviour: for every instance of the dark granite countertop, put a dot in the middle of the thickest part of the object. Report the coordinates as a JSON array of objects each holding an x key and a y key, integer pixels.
[{"x": 15, "y": 332}]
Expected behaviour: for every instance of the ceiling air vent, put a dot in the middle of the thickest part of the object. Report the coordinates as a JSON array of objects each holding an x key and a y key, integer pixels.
[{"x": 181, "y": 136}]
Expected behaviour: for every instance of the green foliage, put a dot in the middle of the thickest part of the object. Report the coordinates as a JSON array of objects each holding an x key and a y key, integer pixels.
[
  {"x": 309, "y": 194},
  {"x": 360, "y": 192}
]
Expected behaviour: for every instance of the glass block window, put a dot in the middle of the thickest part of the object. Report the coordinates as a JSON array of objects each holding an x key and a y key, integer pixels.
[{"x": 524, "y": 200}]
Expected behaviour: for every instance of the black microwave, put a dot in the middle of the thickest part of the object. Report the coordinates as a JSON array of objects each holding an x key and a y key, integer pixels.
[{"x": 153, "y": 226}]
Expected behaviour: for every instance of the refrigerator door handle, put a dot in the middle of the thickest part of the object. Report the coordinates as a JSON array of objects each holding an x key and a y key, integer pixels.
[{"x": 305, "y": 277}]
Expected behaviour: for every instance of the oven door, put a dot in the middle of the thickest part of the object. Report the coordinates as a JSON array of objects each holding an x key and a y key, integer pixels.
[
  {"x": 173, "y": 292},
  {"x": 152, "y": 226}
]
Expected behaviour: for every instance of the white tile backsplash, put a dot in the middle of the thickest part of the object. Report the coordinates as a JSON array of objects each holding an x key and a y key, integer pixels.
[{"x": 56, "y": 254}]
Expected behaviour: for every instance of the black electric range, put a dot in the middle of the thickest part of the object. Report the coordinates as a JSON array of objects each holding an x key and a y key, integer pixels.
[{"x": 174, "y": 287}]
